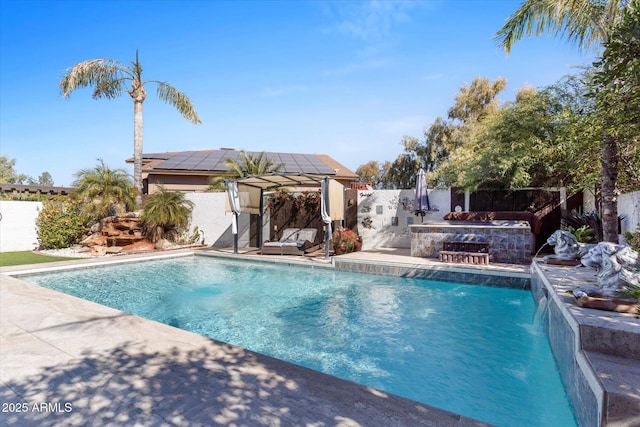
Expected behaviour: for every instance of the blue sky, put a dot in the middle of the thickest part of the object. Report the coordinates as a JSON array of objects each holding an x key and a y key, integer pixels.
[{"x": 347, "y": 78}]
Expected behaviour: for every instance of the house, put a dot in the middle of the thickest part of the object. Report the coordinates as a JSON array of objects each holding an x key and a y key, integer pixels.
[{"x": 190, "y": 171}]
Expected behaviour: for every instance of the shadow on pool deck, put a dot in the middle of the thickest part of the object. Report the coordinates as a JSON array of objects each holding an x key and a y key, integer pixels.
[{"x": 74, "y": 362}]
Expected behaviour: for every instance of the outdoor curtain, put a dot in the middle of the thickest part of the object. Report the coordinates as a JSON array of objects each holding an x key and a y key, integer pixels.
[
  {"x": 234, "y": 203},
  {"x": 249, "y": 198}
]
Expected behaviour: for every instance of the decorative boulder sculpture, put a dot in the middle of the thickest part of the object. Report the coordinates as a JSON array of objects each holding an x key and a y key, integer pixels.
[
  {"x": 618, "y": 269},
  {"x": 566, "y": 247}
]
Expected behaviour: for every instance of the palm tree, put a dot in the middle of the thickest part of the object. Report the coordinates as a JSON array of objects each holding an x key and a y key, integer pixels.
[
  {"x": 584, "y": 22},
  {"x": 102, "y": 189},
  {"x": 248, "y": 164},
  {"x": 108, "y": 77},
  {"x": 166, "y": 212}
]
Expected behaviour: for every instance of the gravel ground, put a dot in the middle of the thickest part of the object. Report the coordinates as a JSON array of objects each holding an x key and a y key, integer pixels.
[
  {"x": 84, "y": 252},
  {"x": 72, "y": 252}
]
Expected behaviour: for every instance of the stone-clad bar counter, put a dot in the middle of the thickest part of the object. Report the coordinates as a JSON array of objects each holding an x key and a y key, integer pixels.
[{"x": 509, "y": 241}]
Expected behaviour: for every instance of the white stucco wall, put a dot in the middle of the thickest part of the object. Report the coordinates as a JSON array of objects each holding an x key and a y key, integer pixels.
[
  {"x": 18, "y": 225},
  {"x": 384, "y": 216},
  {"x": 210, "y": 217},
  {"x": 389, "y": 228},
  {"x": 588, "y": 201},
  {"x": 629, "y": 207}
]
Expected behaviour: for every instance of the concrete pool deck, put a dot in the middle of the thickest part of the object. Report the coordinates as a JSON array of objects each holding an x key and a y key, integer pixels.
[{"x": 69, "y": 361}]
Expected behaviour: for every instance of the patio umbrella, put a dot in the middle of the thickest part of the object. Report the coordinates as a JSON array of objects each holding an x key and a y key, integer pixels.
[
  {"x": 324, "y": 210},
  {"x": 234, "y": 202},
  {"x": 421, "y": 202}
]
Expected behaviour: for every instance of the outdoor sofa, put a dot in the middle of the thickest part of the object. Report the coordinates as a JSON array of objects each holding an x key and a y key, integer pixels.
[{"x": 294, "y": 241}]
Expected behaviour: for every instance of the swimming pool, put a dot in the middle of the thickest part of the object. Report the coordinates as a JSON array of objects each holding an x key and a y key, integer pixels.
[{"x": 473, "y": 350}]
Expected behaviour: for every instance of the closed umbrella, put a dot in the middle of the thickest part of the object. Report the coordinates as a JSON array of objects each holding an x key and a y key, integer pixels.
[
  {"x": 234, "y": 202},
  {"x": 421, "y": 202},
  {"x": 324, "y": 210}
]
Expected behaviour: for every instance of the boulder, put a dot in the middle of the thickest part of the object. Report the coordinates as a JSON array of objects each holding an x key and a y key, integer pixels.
[
  {"x": 163, "y": 244},
  {"x": 98, "y": 250},
  {"x": 95, "y": 239}
]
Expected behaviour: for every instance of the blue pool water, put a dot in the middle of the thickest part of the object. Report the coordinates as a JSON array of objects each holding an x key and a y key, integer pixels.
[{"x": 473, "y": 350}]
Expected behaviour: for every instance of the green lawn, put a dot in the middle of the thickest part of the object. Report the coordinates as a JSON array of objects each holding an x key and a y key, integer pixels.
[{"x": 27, "y": 257}]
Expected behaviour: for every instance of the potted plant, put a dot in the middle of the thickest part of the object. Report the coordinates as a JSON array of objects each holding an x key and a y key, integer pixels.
[{"x": 344, "y": 241}]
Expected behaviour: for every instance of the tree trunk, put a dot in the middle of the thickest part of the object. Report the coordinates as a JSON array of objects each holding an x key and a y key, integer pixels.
[
  {"x": 609, "y": 192},
  {"x": 137, "y": 152}
]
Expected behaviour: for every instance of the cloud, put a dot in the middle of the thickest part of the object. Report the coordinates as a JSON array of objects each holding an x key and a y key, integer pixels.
[
  {"x": 371, "y": 24},
  {"x": 371, "y": 21}
]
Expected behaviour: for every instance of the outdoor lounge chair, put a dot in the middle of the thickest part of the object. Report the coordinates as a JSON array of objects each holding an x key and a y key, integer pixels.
[{"x": 294, "y": 241}]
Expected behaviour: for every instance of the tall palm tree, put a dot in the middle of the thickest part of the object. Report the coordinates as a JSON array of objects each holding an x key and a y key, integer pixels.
[
  {"x": 166, "y": 212},
  {"x": 584, "y": 22},
  {"x": 108, "y": 77},
  {"x": 247, "y": 164},
  {"x": 101, "y": 189}
]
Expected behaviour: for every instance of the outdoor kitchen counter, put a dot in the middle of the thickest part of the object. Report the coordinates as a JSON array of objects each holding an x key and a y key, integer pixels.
[{"x": 509, "y": 241}]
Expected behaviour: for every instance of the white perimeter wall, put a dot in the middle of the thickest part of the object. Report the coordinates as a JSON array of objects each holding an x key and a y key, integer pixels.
[
  {"x": 18, "y": 225},
  {"x": 210, "y": 217},
  {"x": 629, "y": 207},
  {"x": 384, "y": 216}
]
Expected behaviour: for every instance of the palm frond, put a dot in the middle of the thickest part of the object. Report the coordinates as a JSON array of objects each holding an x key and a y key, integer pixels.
[
  {"x": 583, "y": 22},
  {"x": 237, "y": 170},
  {"x": 106, "y": 75},
  {"x": 179, "y": 100},
  {"x": 101, "y": 188}
]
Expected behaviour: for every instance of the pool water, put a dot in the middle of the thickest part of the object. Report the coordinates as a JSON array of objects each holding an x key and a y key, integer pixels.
[{"x": 475, "y": 350}]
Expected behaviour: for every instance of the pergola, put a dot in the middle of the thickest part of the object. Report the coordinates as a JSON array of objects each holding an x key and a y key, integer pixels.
[{"x": 246, "y": 196}]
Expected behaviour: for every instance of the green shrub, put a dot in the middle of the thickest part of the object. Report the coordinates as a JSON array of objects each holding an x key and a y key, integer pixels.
[
  {"x": 166, "y": 214},
  {"x": 633, "y": 293},
  {"x": 584, "y": 234},
  {"x": 633, "y": 239},
  {"x": 60, "y": 223}
]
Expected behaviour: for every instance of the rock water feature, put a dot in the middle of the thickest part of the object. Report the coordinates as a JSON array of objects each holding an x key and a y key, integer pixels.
[
  {"x": 114, "y": 234},
  {"x": 567, "y": 249}
]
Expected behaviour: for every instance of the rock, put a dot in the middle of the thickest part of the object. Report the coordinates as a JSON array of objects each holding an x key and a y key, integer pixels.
[
  {"x": 95, "y": 239},
  {"x": 115, "y": 232},
  {"x": 123, "y": 240},
  {"x": 127, "y": 224},
  {"x": 98, "y": 250},
  {"x": 163, "y": 244}
]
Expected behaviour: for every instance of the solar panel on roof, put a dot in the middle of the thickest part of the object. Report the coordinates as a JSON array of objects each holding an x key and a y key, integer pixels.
[
  {"x": 207, "y": 164},
  {"x": 215, "y": 161},
  {"x": 155, "y": 156}
]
